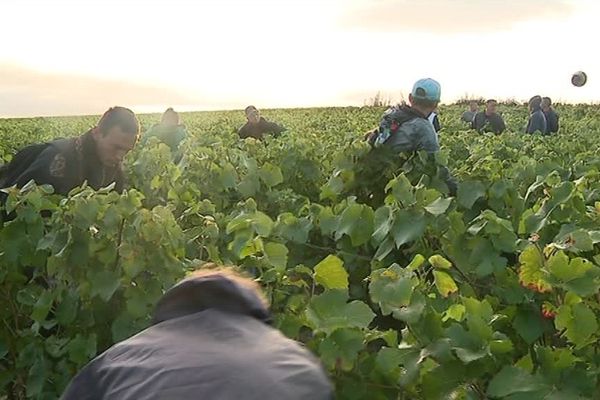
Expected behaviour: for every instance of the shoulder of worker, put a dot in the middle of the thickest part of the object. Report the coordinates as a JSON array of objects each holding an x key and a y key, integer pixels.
[
  {"x": 57, "y": 157},
  {"x": 419, "y": 125},
  {"x": 498, "y": 116}
]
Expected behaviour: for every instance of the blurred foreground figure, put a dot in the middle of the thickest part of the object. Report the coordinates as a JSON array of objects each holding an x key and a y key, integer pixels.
[
  {"x": 257, "y": 126},
  {"x": 210, "y": 339}
]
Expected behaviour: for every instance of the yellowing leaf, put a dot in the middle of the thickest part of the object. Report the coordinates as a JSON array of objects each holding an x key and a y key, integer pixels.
[
  {"x": 455, "y": 312},
  {"x": 331, "y": 273},
  {"x": 416, "y": 262},
  {"x": 445, "y": 283},
  {"x": 440, "y": 262},
  {"x": 531, "y": 274}
]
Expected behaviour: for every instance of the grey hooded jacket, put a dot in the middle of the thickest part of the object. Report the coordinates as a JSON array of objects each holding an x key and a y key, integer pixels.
[{"x": 210, "y": 339}]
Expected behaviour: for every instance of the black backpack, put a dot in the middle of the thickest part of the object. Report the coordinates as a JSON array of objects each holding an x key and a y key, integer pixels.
[
  {"x": 10, "y": 172},
  {"x": 391, "y": 121}
]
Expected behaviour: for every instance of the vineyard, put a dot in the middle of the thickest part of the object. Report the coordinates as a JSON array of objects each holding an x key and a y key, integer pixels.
[{"x": 402, "y": 291}]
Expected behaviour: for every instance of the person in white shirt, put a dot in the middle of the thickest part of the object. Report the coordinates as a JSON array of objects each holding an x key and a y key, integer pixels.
[{"x": 435, "y": 121}]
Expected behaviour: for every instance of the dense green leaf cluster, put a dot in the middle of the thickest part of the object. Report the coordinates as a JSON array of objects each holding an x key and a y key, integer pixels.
[{"x": 404, "y": 291}]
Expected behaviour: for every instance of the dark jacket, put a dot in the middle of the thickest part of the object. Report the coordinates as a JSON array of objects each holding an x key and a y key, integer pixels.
[
  {"x": 64, "y": 164},
  {"x": 537, "y": 122},
  {"x": 210, "y": 339},
  {"x": 488, "y": 123},
  {"x": 258, "y": 129},
  {"x": 435, "y": 121},
  {"x": 551, "y": 121}
]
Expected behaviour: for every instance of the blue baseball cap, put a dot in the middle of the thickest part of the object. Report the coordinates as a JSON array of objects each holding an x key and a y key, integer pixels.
[{"x": 427, "y": 89}]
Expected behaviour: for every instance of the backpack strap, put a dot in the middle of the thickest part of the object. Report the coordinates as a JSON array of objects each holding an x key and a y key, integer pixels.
[{"x": 392, "y": 120}]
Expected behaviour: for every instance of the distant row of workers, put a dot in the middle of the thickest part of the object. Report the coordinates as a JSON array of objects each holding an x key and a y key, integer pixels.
[
  {"x": 96, "y": 156},
  {"x": 171, "y": 131},
  {"x": 542, "y": 117}
]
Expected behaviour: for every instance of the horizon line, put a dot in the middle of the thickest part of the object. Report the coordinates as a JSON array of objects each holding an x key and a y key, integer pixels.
[{"x": 193, "y": 109}]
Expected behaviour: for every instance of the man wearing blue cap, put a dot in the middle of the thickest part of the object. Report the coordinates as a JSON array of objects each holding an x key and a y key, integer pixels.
[{"x": 407, "y": 128}]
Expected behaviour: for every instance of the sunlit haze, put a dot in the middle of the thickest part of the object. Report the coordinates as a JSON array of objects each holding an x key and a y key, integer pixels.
[{"x": 80, "y": 57}]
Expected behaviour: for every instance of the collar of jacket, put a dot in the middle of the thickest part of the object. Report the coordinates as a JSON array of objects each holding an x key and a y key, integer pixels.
[
  {"x": 413, "y": 111},
  {"x": 86, "y": 149},
  {"x": 198, "y": 294}
]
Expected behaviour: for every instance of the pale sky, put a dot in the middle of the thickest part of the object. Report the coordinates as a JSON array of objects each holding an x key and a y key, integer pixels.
[{"x": 80, "y": 57}]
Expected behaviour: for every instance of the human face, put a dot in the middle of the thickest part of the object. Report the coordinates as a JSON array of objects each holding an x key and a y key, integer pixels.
[
  {"x": 473, "y": 106},
  {"x": 490, "y": 108},
  {"x": 545, "y": 105},
  {"x": 253, "y": 116},
  {"x": 112, "y": 146}
]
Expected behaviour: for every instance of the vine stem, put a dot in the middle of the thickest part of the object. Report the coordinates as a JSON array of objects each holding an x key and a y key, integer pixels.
[
  {"x": 118, "y": 257},
  {"x": 331, "y": 250}
]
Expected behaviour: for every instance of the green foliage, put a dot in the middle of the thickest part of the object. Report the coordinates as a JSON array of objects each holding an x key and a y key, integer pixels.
[
  {"x": 403, "y": 291},
  {"x": 85, "y": 276}
]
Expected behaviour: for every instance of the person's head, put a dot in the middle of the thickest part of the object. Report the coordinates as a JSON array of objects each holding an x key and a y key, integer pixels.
[
  {"x": 535, "y": 103},
  {"x": 213, "y": 286},
  {"x": 115, "y": 135},
  {"x": 425, "y": 95},
  {"x": 170, "y": 117},
  {"x": 213, "y": 270},
  {"x": 252, "y": 114},
  {"x": 546, "y": 103},
  {"x": 491, "y": 107},
  {"x": 473, "y": 106}
]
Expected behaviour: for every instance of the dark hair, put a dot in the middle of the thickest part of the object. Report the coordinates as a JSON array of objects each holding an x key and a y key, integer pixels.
[
  {"x": 249, "y": 108},
  {"x": 535, "y": 102},
  {"x": 424, "y": 102},
  {"x": 122, "y": 117},
  {"x": 227, "y": 272},
  {"x": 489, "y": 101},
  {"x": 547, "y": 100}
]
